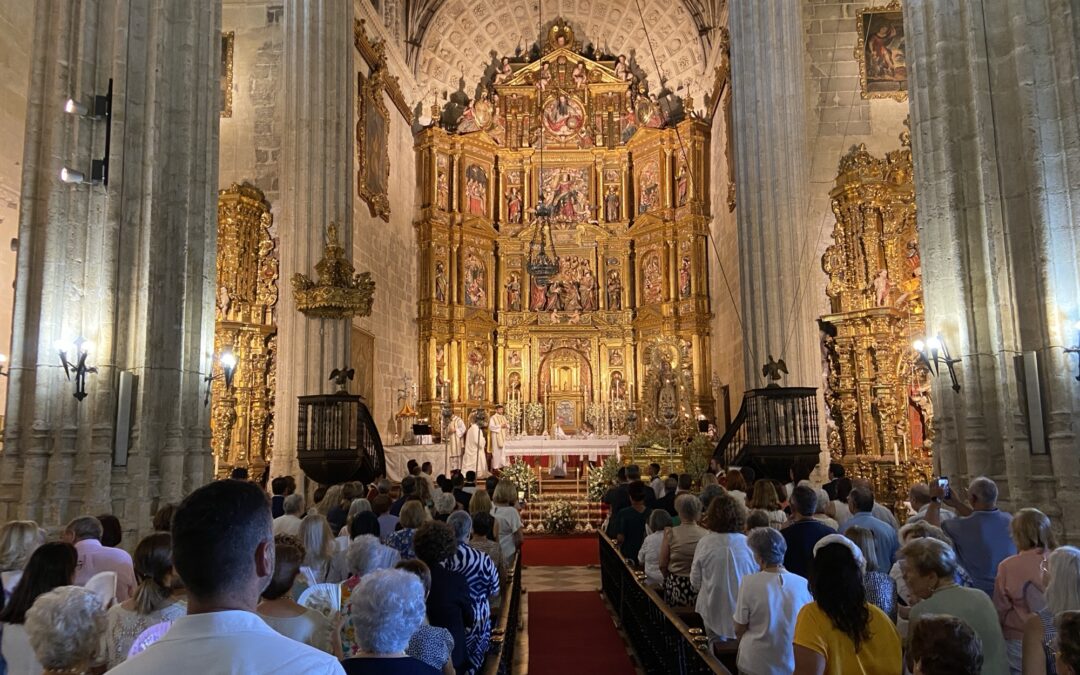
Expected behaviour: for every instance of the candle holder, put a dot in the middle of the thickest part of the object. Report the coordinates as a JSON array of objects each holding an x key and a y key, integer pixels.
[
  {"x": 933, "y": 352},
  {"x": 82, "y": 348}
]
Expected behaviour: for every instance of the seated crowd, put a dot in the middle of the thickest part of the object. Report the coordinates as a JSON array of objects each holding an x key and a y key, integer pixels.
[
  {"x": 797, "y": 579},
  {"x": 238, "y": 581}
]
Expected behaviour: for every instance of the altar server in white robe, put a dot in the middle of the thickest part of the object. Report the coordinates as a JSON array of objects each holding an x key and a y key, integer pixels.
[
  {"x": 558, "y": 462},
  {"x": 498, "y": 425},
  {"x": 474, "y": 458},
  {"x": 455, "y": 441}
]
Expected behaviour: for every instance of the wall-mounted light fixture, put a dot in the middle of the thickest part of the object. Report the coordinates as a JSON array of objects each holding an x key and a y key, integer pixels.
[
  {"x": 1075, "y": 349},
  {"x": 100, "y": 108},
  {"x": 934, "y": 352},
  {"x": 3, "y": 365},
  {"x": 81, "y": 348},
  {"x": 227, "y": 360}
]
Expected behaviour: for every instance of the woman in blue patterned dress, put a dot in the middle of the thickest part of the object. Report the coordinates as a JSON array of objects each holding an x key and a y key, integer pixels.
[
  {"x": 483, "y": 578},
  {"x": 413, "y": 515}
]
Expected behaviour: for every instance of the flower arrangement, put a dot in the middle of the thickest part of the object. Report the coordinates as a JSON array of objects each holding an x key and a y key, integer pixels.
[
  {"x": 601, "y": 477},
  {"x": 513, "y": 412},
  {"x": 534, "y": 417},
  {"x": 523, "y": 476},
  {"x": 560, "y": 517}
]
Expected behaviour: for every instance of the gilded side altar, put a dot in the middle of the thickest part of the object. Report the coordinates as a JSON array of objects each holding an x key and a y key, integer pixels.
[
  {"x": 877, "y": 388},
  {"x": 624, "y": 322}
]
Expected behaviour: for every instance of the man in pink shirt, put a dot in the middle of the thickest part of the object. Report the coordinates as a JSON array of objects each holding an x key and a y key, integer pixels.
[{"x": 85, "y": 533}]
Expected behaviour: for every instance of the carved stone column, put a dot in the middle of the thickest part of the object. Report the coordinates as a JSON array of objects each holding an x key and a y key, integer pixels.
[
  {"x": 770, "y": 143},
  {"x": 129, "y": 266},
  {"x": 996, "y": 138},
  {"x": 317, "y": 183}
]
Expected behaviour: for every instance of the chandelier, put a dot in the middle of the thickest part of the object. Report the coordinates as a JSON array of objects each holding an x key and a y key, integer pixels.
[{"x": 542, "y": 263}]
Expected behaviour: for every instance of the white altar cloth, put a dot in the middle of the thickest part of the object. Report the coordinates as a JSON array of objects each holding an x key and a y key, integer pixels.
[
  {"x": 538, "y": 446},
  {"x": 398, "y": 456}
]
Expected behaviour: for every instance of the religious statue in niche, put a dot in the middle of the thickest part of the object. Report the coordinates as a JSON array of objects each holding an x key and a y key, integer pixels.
[
  {"x": 615, "y": 358},
  {"x": 682, "y": 183},
  {"x": 476, "y": 186},
  {"x": 649, "y": 187},
  {"x": 882, "y": 286},
  {"x": 442, "y": 182},
  {"x": 652, "y": 279},
  {"x": 617, "y": 387},
  {"x": 564, "y": 414},
  {"x": 684, "y": 277},
  {"x": 614, "y": 291},
  {"x": 514, "y": 386},
  {"x": 564, "y": 120},
  {"x": 513, "y": 292},
  {"x": 475, "y": 280},
  {"x": 567, "y": 193},
  {"x": 629, "y": 123},
  {"x": 571, "y": 289},
  {"x": 881, "y": 53},
  {"x": 513, "y": 205},
  {"x": 611, "y": 204},
  {"x": 667, "y": 399},
  {"x": 622, "y": 69},
  {"x": 477, "y": 380},
  {"x": 441, "y": 283},
  {"x": 513, "y": 358},
  {"x": 441, "y": 383}
]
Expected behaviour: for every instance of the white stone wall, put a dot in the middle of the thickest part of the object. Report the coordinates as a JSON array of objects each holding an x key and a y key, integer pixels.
[
  {"x": 251, "y": 137},
  {"x": 16, "y": 31},
  {"x": 388, "y": 251},
  {"x": 837, "y": 117}
]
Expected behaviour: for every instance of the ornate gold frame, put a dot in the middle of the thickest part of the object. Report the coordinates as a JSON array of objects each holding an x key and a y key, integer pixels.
[
  {"x": 227, "y": 41},
  {"x": 860, "y": 52},
  {"x": 369, "y": 101}
]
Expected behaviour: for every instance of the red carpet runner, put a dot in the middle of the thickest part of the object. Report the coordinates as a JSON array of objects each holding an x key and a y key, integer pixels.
[
  {"x": 559, "y": 551},
  {"x": 573, "y": 633}
]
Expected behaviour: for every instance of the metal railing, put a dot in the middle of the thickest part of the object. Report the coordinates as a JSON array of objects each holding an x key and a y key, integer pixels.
[
  {"x": 777, "y": 423},
  {"x": 659, "y": 637},
  {"x": 504, "y": 632}
]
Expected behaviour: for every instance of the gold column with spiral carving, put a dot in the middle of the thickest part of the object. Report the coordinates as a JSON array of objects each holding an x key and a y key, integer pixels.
[
  {"x": 242, "y": 417},
  {"x": 880, "y": 422}
]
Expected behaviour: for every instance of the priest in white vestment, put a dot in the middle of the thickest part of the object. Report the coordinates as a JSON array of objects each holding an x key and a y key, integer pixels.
[
  {"x": 498, "y": 425},
  {"x": 474, "y": 458},
  {"x": 558, "y": 465},
  {"x": 454, "y": 437}
]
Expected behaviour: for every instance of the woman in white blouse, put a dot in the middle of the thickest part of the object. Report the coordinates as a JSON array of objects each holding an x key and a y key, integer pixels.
[
  {"x": 508, "y": 518},
  {"x": 721, "y": 560},
  {"x": 766, "y": 608},
  {"x": 649, "y": 554}
]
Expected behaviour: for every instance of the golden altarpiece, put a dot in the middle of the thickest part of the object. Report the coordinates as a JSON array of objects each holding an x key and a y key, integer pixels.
[
  {"x": 878, "y": 387},
  {"x": 624, "y": 322},
  {"x": 242, "y": 415}
]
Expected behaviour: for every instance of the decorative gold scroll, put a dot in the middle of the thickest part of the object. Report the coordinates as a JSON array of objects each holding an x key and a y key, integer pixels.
[
  {"x": 242, "y": 418},
  {"x": 227, "y": 41}
]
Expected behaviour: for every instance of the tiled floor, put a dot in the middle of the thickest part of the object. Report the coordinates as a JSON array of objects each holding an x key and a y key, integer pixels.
[{"x": 538, "y": 579}]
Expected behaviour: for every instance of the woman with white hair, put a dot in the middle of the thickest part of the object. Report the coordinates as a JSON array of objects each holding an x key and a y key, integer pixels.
[
  {"x": 387, "y": 609},
  {"x": 766, "y": 607},
  {"x": 65, "y": 627},
  {"x": 482, "y": 576},
  {"x": 365, "y": 556},
  {"x": 1061, "y": 578},
  {"x": 930, "y": 573},
  {"x": 1019, "y": 578},
  {"x": 677, "y": 552},
  {"x": 413, "y": 515},
  {"x": 649, "y": 554}
]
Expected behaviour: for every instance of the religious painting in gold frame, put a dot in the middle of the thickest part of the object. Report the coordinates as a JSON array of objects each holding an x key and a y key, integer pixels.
[
  {"x": 227, "y": 40},
  {"x": 881, "y": 52},
  {"x": 372, "y": 144}
]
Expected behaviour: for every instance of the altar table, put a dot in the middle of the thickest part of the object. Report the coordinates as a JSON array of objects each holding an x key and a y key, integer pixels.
[
  {"x": 398, "y": 456},
  {"x": 538, "y": 446}
]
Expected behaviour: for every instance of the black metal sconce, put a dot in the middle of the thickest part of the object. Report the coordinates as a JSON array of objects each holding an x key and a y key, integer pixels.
[
  {"x": 3, "y": 365},
  {"x": 100, "y": 109},
  {"x": 934, "y": 352},
  {"x": 1075, "y": 349},
  {"x": 81, "y": 348},
  {"x": 227, "y": 360}
]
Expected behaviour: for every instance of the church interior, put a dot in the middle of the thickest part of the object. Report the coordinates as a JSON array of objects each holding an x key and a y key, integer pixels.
[{"x": 320, "y": 238}]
